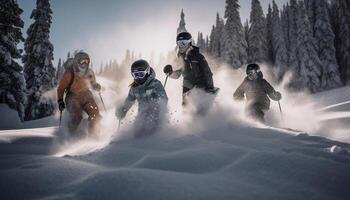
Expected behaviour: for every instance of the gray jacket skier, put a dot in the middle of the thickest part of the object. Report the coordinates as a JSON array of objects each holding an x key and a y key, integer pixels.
[
  {"x": 151, "y": 97},
  {"x": 257, "y": 92}
]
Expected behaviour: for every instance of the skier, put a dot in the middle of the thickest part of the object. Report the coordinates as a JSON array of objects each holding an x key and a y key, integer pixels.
[
  {"x": 77, "y": 80},
  {"x": 195, "y": 71},
  {"x": 257, "y": 92},
  {"x": 151, "y": 97}
]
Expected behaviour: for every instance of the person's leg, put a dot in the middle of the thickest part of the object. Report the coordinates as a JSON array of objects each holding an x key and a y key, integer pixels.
[
  {"x": 255, "y": 112},
  {"x": 75, "y": 113},
  {"x": 91, "y": 108},
  {"x": 185, "y": 91}
]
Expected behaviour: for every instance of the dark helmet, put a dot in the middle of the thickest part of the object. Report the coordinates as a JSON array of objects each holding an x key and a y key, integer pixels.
[
  {"x": 252, "y": 67},
  {"x": 140, "y": 71},
  {"x": 253, "y": 71},
  {"x": 183, "y": 36},
  {"x": 139, "y": 65}
]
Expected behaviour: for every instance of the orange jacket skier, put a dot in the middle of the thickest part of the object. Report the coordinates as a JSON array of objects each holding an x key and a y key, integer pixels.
[{"x": 77, "y": 80}]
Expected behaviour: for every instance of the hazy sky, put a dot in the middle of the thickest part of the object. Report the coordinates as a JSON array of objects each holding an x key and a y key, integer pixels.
[{"x": 105, "y": 28}]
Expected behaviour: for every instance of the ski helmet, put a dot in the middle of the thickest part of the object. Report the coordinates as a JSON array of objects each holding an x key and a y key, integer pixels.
[
  {"x": 183, "y": 41},
  {"x": 140, "y": 70},
  {"x": 184, "y": 36},
  {"x": 253, "y": 71},
  {"x": 83, "y": 60}
]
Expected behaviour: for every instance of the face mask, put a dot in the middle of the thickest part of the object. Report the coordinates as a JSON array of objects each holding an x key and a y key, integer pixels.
[
  {"x": 252, "y": 75},
  {"x": 83, "y": 65}
]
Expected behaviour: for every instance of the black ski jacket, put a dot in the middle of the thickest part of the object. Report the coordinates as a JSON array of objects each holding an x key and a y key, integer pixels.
[
  {"x": 196, "y": 71},
  {"x": 257, "y": 91}
]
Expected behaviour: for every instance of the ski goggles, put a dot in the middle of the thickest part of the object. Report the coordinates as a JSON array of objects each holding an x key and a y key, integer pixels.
[
  {"x": 183, "y": 43},
  {"x": 140, "y": 74},
  {"x": 84, "y": 61},
  {"x": 252, "y": 72}
]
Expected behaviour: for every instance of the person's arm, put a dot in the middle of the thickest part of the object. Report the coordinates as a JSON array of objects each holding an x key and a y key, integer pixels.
[
  {"x": 93, "y": 82},
  {"x": 239, "y": 93},
  {"x": 63, "y": 85},
  {"x": 271, "y": 92},
  {"x": 159, "y": 92},
  {"x": 206, "y": 71},
  {"x": 176, "y": 74},
  {"x": 128, "y": 103}
]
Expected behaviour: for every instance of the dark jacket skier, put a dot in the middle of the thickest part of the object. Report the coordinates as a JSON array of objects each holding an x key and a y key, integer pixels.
[
  {"x": 195, "y": 71},
  {"x": 257, "y": 92},
  {"x": 151, "y": 97},
  {"x": 76, "y": 83}
]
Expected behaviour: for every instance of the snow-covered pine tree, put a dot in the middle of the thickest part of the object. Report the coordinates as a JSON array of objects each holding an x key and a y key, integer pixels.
[
  {"x": 269, "y": 33},
  {"x": 257, "y": 34},
  {"x": 60, "y": 70},
  {"x": 216, "y": 37},
  {"x": 12, "y": 83},
  {"x": 234, "y": 45},
  {"x": 212, "y": 43},
  {"x": 279, "y": 49},
  {"x": 324, "y": 37},
  {"x": 292, "y": 12},
  {"x": 182, "y": 24},
  {"x": 285, "y": 24},
  {"x": 342, "y": 41},
  {"x": 206, "y": 43},
  {"x": 308, "y": 72},
  {"x": 201, "y": 41},
  {"x": 39, "y": 71},
  {"x": 246, "y": 33}
]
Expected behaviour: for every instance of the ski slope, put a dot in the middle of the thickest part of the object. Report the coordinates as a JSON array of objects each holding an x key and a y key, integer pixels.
[{"x": 219, "y": 156}]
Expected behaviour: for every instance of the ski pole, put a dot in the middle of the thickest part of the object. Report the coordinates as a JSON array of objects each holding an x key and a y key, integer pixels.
[
  {"x": 60, "y": 119},
  {"x": 279, "y": 105},
  {"x": 102, "y": 102},
  {"x": 166, "y": 79},
  {"x": 119, "y": 125}
]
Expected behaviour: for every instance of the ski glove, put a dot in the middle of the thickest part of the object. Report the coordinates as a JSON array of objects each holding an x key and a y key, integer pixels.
[
  {"x": 211, "y": 90},
  {"x": 168, "y": 69},
  {"x": 121, "y": 113},
  {"x": 61, "y": 105},
  {"x": 97, "y": 87},
  {"x": 278, "y": 96}
]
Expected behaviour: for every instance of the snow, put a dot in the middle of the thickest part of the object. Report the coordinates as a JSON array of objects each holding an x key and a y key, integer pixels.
[
  {"x": 227, "y": 161},
  {"x": 214, "y": 157}
]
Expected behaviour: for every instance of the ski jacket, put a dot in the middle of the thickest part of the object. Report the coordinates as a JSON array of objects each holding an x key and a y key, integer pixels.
[
  {"x": 195, "y": 71},
  {"x": 151, "y": 96},
  {"x": 257, "y": 91},
  {"x": 75, "y": 82}
]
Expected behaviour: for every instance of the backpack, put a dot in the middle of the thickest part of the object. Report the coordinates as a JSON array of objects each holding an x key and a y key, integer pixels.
[{"x": 68, "y": 66}]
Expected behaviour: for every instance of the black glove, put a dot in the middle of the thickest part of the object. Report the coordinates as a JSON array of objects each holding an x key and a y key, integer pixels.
[
  {"x": 211, "y": 90},
  {"x": 61, "y": 105},
  {"x": 121, "y": 113},
  {"x": 97, "y": 87},
  {"x": 278, "y": 96},
  {"x": 168, "y": 69}
]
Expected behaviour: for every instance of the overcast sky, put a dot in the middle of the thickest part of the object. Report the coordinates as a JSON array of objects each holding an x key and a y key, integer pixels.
[{"x": 105, "y": 28}]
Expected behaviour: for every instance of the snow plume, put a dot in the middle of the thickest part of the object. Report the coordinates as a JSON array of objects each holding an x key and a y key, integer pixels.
[
  {"x": 81, "y": 144},
  {"x": 300, "y": 111}
]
